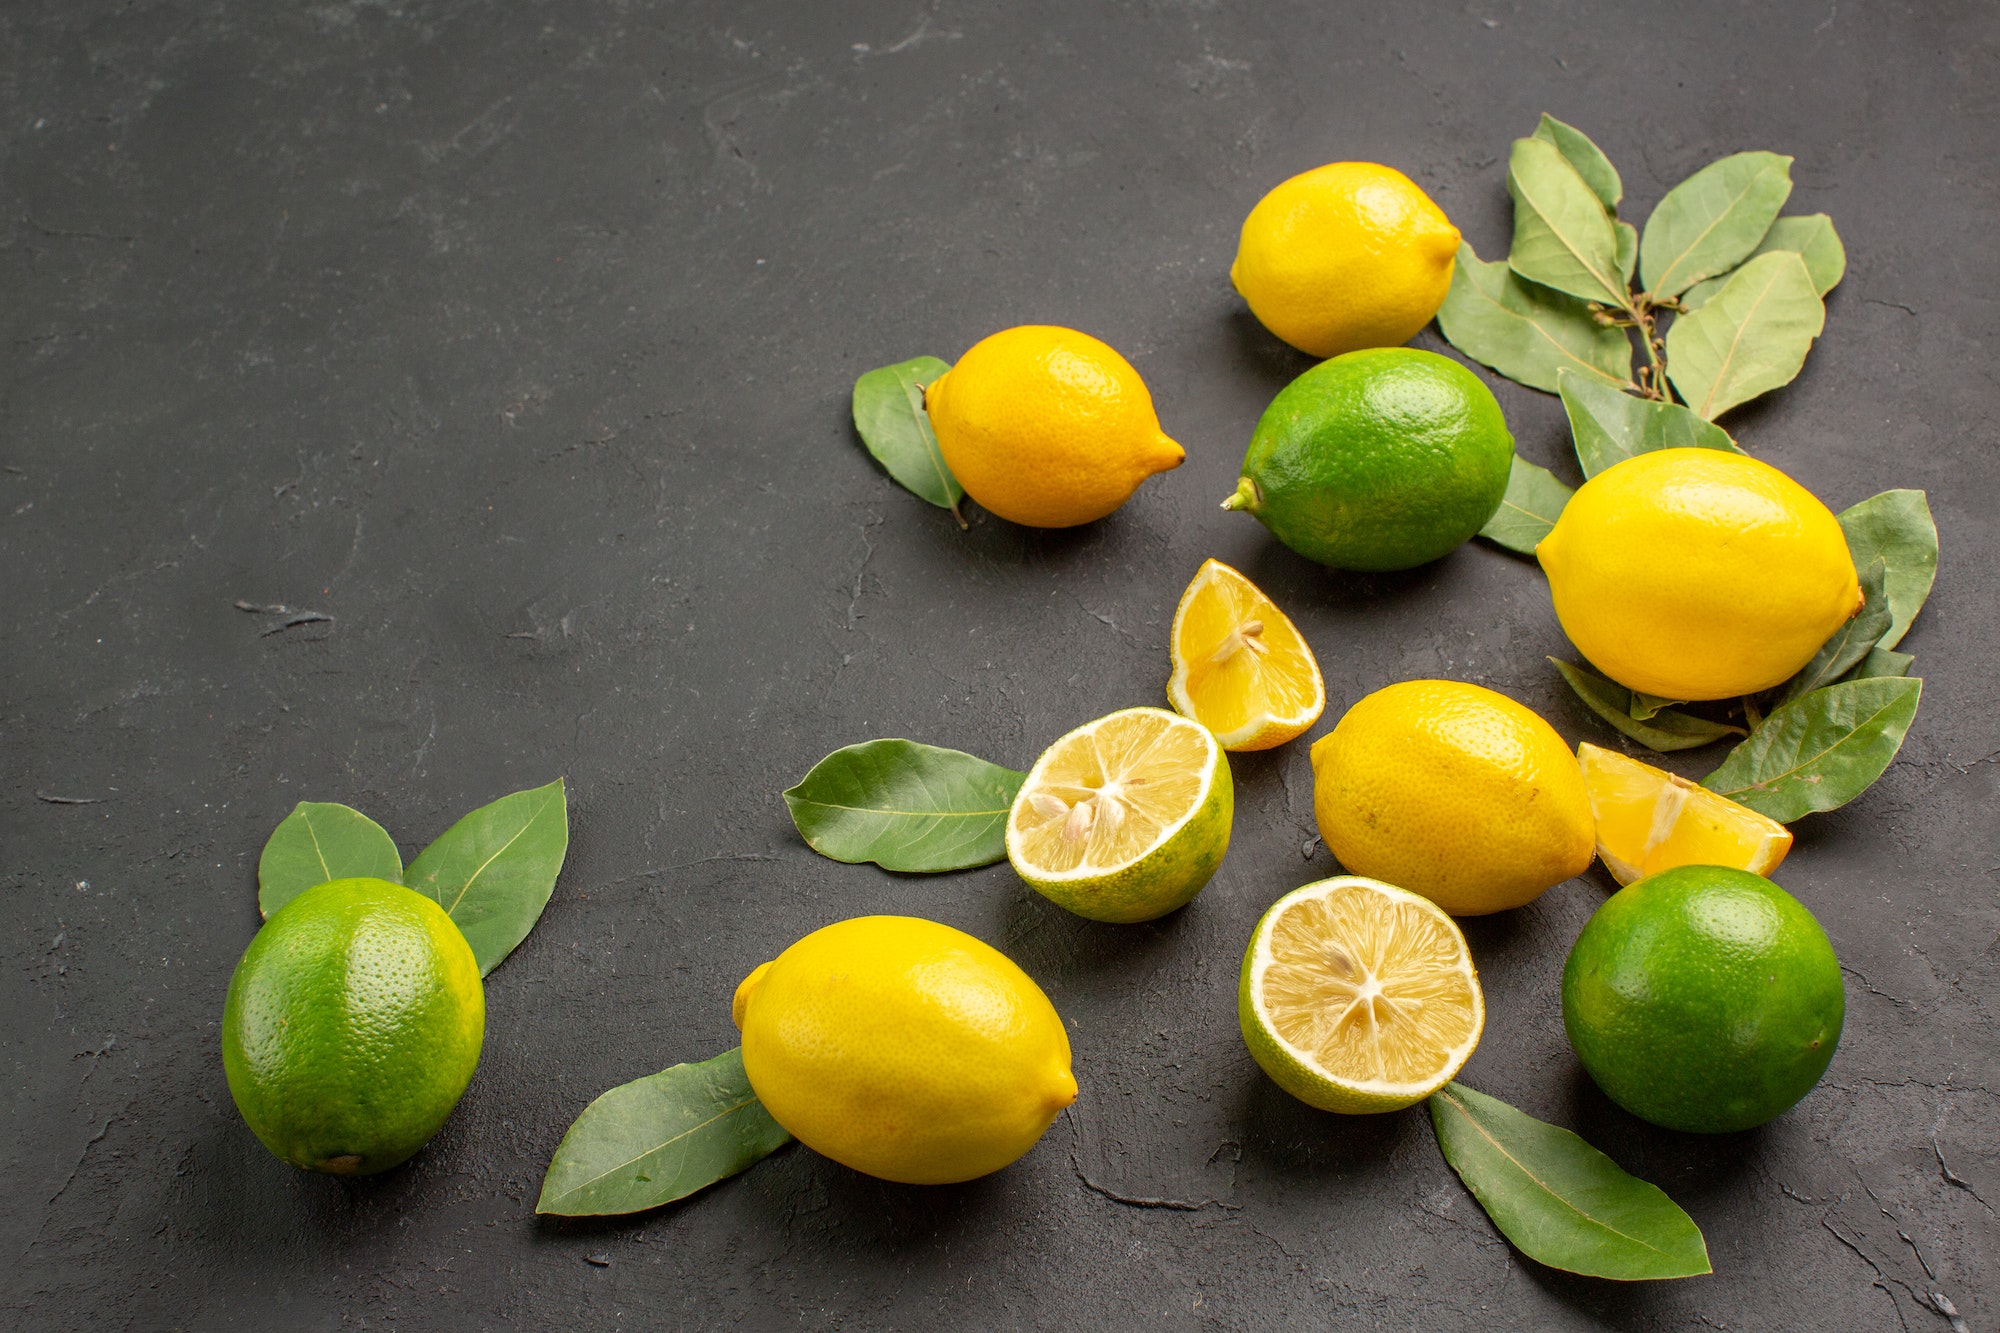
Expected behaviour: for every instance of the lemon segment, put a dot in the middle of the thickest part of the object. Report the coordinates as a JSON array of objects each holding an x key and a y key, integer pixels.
[
  {"x": 1650, "y": 820},
  {"x": 1241, "y": 668},
  {"x": 1357, "y": 996}
]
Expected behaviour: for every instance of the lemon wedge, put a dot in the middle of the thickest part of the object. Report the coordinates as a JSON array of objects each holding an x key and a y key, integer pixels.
[
  {"x": 1241, "y": 668},
  {"x": 1650, "y": 820}
]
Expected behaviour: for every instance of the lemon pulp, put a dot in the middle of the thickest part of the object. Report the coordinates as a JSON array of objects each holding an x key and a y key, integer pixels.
[
  {"x": 1241, "y": 668},
  {"x": 1650, "y": 820}
]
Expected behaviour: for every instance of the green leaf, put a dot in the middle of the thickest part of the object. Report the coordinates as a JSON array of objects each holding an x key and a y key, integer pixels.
[
  {"x": 660, "y": 1138},
  {"x": 1563, "y": 238},
  {"x": 1811, "y": 238},
  {"x": 1528, "y": 333},
  {"x": 1897, "y": 526},
  {"x": 1559, "y": 1200},
  {"x": 320, "y": 841},
  {"x": 1822, "y": 749},
  {"x": 1710, "y": 222},
  {"x": 1610, "y": 427},
  {"x": 1851, "y": 642},
  {"x": 1664, "y": 730},
  {"x": 493, "y": 871},
  {"x": 889, "y": 413},
  {"x": 1588, "y": 159},
  {"x": 1533, "y": 502},
  {"x": 906, "y": 806},
  {"x": 1647, "y": 706},
  {"x": 1628, "y": 250},
  {"x": 1750, "y": 338},
  {"x": 1882, "y": 662}
]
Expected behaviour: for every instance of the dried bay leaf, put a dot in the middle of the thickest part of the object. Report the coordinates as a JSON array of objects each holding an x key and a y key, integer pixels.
[
  {"x": 1609, "y": 426},
  {"x": 1749, "y": 338},
  {"x": 1527, "y": 332},
  {"x": 1822, "y": 749},
  {"x": 1712, "y": 221},
  {"x": 1812, "y": 238},
  {"x": 1533, "y": 502},
  {"x": 1897, "y": 526},
  {"x": 319, "y": 841},
  {"x": 1588, "y": 159},
  {"x": 1663, "y": 729},
  {"x": 905, "y": 806},
  {"x": 1563, "y": 237}
]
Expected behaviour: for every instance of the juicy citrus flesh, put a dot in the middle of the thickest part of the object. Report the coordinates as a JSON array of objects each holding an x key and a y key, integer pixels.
[
  {"x": 353, "y": 1024},
  {"x": 1453, "y": 791},
  {"x": 1241, "y": 668},
  {"x": 1047, "y": 427},
  {"x": 1649, "y": 820},
  {"x": 905, "y": 1049},
  {"x": 1358, "y": 996},
  {"x": 1346, "y": 256},
  {"x": 1698, "y": 574}
]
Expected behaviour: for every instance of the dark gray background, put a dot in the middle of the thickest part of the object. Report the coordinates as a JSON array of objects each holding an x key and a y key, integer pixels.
[{"x": 518, "y": 337}]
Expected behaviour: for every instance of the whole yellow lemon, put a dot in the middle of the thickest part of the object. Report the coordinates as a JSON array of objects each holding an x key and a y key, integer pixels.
[
  {"x": 1698, "y": 574},
  {"x": 1047, "y": 427},
  {"x": 1345, "y": 256},
  {"x": 904, "y": 1049}
]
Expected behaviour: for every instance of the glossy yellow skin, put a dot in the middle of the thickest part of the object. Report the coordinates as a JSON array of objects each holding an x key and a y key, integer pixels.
[
  {"x": 1047, "y": 427},
  {"x": 1345, "y": 256},
  {"x": 904, "y": 1049},
  {"x": 1698, "y": 574},
  {"x": 1454, "y": 792}
]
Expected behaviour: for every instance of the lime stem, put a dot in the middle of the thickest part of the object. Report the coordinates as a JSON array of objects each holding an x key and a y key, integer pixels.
[{"x": 1244, "y": 497}]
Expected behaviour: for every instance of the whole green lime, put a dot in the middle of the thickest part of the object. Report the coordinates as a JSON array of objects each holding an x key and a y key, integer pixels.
[
  {"x": 1703, "y": 999},
  {"x": 1380, "y": 459},
  {"x": 353, "y": 1024}
]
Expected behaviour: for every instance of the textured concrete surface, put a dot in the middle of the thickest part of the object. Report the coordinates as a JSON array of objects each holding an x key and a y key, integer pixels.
[{"x": 516, "y": 338}]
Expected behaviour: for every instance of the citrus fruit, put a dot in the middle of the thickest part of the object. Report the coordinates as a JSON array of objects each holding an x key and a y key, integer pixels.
[
  {"x": 353, "y": 1024},
  {"x": 1698, "y": 574},
  {"x": 1703, "y": 999},
  {"x": 1348, "y": 255},
  {"x": 904, "y": 1049},
  {"x": 1125, "y": 818},
  {"x": 1377, "y": 460},
  {"x": 1241, "y": 668},
  {"x": 1047, "y": 427},
  {"x": 1452, "y": 791},
  {"x": 1650, "y": 820},
  {"x": 1357, "y": 996}
]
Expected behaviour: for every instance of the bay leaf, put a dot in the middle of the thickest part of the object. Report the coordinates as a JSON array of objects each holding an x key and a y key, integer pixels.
[
  {"x": 1749, "y": 338},
  {"x": 660, "y": 1138},
  {"x": 1533, "y": 502},
  {"x": 1563, "y": 237},
  {"x": 1812, "y": 238},
  {"x": 1853, "y": 641},
  {"x": 493, "y": 870},
  {"x": 889, "y": 414},
  {"x": 319, "y": 841},
  {"x": 1664, "y": 730},
  {"x": 1588, "y": 159},
  {"x": 1882, "y": 662},
  {"x": 1647, "y": 706},
  {"x": 1897, "y": 526},
  {"x": 1609, "y": 426},
  {"x": 905, "y": 806},
  {"x": 1559, "y": 1200},
  {"x": 1628, "y": 250},
  {"x": 1710, "y": 222},
  {"x": 1527, "y": 332},
  {"x": 1822, "y": 749}
]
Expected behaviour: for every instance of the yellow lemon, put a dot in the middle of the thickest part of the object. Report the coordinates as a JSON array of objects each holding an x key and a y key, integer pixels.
[
  {"x": 1047, "y": 427},
  {"x": 904, "y": 1049},
  {"x": 1345, "y": 256},
  {"x": 1454, "y": 792},
  {"x": 1241, "y": 668},
  {"x": 1698, "y": 574},
  {"x": 1650, "y": 820}
]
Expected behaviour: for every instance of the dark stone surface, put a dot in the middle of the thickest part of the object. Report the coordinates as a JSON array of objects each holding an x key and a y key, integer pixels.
[{"x": 517, "y": 339}]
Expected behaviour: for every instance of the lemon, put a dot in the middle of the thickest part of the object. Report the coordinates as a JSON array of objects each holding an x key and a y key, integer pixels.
[
  {"x": 353, "y": 1024},
  {"x": 1047, "y": 427},
  {"x": 1349, "y": 255},
  {"x": 1650, "y": 820},
  {"x": 1455, "y": 792},
  {"x": 1125, "y": 818},
  {"x": 1698, "y": 574},
  {"x": 904, "y": 1049},
  {"x": 1241, "y": 668},
  {"x": 1358, "y": 996}
]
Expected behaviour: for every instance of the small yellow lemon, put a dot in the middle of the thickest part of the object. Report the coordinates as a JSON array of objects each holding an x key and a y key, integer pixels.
[
  {"x": 904, "y": 1049},
  {"x": 1455, "y": 792},
  {"x": 1698, "y": 574},
  {"x": 1345, "y": 256},
  {"x": 1047, "y": 427}
]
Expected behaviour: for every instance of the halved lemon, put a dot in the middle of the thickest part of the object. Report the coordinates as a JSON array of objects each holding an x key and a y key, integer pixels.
[
  {"x": 1650, "y": 820},
  {"x": 1357, "y": 996},
  {"x": 1125, "y": 818},
  {"x": 1241, "y": 668}
]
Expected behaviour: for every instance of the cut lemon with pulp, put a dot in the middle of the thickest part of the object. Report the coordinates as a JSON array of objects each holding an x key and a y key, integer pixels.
[
  {"x": 1125, "y": 818},
  {"x": 1241, "y": 668},
  {"x": 1649, "y": 820},
  {"x": 1357, "y": 996}
]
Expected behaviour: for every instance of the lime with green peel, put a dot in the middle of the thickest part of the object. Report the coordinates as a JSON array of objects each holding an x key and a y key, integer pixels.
[
  {"x": 1377, "y": 460},
  {"x": 352, "y": 1027},
  {"x": 1703, "y": 999}
]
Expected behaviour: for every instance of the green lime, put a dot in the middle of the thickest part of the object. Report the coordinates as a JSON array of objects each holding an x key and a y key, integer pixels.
[
  {"x": 353, "y": 1024},
  {"x": 1379, "y": 459},
  {"x": 1703, "y": 999}
]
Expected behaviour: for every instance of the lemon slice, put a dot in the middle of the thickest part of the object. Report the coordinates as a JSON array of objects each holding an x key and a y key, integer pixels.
[
  {"x": 1650, "y": 820},
  {"x": 1241, "y": 668},
  {"x": 1125, "y": 818},
  {"x": 1358, "y": 996}
]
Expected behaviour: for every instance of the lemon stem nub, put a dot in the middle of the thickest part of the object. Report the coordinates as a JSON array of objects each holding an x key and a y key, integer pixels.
[{"x": 1245, "y": 496}]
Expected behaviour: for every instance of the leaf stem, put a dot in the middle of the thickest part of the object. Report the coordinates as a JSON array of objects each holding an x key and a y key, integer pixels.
[{"x": 1653, "y": 376}]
